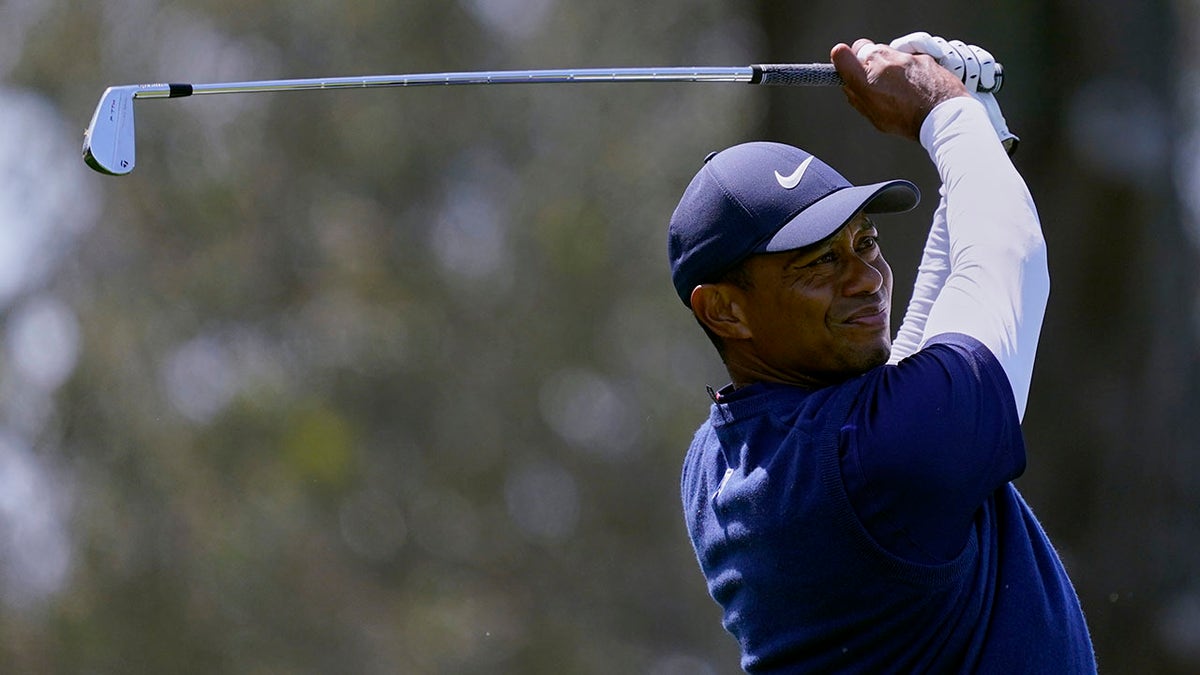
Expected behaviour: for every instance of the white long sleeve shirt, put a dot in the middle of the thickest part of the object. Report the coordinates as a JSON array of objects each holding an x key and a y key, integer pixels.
[{"x": 983, "y": 272}]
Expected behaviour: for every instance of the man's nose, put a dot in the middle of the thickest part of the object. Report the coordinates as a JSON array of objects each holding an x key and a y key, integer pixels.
[{"x": 862, "y": 277}]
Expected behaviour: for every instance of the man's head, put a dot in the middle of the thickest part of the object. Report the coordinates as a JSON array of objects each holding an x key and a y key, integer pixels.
[{"x": 775, "y": 254}]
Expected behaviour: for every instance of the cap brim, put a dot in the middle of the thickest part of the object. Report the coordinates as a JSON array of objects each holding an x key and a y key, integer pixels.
[{"x": 830, "y": 214}]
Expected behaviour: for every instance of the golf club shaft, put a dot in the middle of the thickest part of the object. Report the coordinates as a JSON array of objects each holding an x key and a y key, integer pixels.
[
  {"x": 109, "y": 141},
  {"x": 814, "y": 74}
]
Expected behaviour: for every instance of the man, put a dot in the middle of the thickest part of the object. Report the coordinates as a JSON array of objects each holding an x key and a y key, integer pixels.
[{"x": 849, "y": 499}]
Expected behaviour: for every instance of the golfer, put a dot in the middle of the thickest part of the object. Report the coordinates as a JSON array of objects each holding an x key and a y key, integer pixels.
[{"x": 849, "y": 497}]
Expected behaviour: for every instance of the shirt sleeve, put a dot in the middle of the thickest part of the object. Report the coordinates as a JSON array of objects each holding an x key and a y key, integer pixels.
[
  {"x": 931, "y": 277},
  {"x": 984, "y": 268},
  {"x": 927, "y": 444}
]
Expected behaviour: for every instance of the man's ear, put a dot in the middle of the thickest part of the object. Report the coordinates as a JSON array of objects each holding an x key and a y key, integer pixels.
[{"x": 719, "y": 307}]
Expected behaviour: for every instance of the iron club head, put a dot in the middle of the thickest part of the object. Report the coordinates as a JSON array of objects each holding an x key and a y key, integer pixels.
[{"x": 108, "y": 142}]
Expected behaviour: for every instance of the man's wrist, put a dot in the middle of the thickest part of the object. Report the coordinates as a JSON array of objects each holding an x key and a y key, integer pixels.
[
  {"x": 946, "y": 112},
  {"x": 935, "y": 84}
]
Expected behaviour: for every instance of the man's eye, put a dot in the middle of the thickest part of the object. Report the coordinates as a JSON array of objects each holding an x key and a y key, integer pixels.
[
  {"x": 868, "y": 242},
  {"x": 827, "y": 258}
]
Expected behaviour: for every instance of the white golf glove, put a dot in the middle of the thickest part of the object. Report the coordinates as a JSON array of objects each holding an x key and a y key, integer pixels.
[{"x": 974, "y": 65}]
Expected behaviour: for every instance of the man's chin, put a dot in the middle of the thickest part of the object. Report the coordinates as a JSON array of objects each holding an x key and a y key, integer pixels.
[{"x": 872, "y": 356}]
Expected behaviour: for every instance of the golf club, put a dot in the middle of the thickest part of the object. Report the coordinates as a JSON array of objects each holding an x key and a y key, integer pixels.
[{"x": 108, "y": 142}]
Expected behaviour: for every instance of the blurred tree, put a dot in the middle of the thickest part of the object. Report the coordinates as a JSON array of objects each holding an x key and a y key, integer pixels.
[{"x": 379, "y": 382}]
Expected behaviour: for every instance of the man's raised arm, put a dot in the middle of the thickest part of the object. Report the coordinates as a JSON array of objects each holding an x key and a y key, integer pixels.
[{"x": 996, "y": 286}]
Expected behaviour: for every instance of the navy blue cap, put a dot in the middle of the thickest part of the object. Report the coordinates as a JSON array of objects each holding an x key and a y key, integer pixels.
[{"x": 763, "y": 198}]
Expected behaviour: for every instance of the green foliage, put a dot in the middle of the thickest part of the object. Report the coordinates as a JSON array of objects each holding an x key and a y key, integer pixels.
[{"x": 337, "y": 349}]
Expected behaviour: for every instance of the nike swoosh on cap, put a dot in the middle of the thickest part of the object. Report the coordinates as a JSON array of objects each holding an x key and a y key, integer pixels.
[{"x": 789, "y": 182}]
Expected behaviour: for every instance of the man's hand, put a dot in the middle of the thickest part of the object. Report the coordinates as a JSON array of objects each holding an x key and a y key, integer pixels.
[{"x": 892, "y": 89}]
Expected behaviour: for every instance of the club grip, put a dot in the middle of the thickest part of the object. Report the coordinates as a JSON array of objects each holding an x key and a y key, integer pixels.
[
  {"x": 822, "y": 75},
  {"x": 796, "y": 75}
]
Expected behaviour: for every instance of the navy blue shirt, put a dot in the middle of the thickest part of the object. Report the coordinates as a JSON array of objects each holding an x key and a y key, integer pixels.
[{"x": 871, "y": 526}]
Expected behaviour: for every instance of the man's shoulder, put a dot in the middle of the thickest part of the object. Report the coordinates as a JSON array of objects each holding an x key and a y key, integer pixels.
[
  {"x": 950, "y": 365},
  {"x": 926, "y": 410},
  {"x": 957, "y": 346}
]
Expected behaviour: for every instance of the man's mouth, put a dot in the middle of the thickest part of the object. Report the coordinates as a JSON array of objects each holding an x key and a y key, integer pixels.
[{"x": 868, "y": 317}]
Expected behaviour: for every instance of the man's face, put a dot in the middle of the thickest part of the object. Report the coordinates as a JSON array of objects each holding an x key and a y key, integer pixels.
[{"x": 820, "y": 314}]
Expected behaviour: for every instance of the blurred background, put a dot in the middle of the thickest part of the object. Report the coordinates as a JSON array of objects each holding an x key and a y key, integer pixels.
[{"x": 395, "y": 381}]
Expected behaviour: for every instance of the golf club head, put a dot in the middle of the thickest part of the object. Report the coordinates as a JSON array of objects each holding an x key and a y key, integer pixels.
[{"x": 108, "y": 142}]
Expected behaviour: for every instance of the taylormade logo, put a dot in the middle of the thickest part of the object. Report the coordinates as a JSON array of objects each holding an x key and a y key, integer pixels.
[{"x": 789, "y": 182}]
